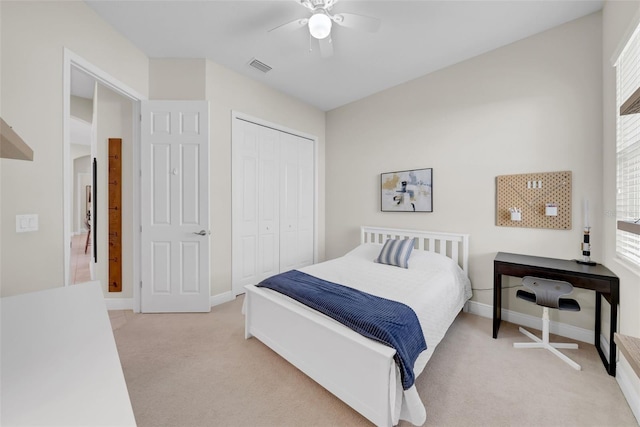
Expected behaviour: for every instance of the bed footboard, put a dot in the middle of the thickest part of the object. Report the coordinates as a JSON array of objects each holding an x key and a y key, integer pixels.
[{"x": 362, "y": 373}]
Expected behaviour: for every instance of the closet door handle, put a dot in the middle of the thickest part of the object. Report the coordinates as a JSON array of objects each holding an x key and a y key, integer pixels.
[{"x": 202, "y": 233}]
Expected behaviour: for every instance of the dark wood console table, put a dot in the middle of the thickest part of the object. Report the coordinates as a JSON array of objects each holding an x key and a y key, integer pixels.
[{"x": 597, "y": 278}]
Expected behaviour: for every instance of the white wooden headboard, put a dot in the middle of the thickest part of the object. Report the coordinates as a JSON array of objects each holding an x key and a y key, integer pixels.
[{"x": 452, "y": 245}]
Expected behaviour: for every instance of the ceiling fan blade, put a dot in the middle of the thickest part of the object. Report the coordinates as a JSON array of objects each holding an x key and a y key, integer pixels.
[
  {"x": 326, "y": 47},
  {"x": 358, "y": 22},
  {"x": 291, "y": 26}
]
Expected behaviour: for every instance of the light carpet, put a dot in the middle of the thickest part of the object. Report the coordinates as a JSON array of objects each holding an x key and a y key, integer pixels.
[{"x": 198, "y": 370}]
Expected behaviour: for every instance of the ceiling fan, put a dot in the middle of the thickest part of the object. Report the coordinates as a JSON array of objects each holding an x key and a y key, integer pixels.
[{"x": 321, "y": 20}]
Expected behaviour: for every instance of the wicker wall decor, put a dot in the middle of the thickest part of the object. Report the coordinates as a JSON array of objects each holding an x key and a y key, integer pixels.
[{"x": 534, "y": 200}]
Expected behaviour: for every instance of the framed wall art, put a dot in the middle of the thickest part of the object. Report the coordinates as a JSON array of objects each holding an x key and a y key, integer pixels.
[{"x": 407, "y": 191}]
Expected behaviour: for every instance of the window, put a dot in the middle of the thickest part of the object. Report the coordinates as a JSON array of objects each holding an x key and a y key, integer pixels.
[{"x": 628, "y": 150}]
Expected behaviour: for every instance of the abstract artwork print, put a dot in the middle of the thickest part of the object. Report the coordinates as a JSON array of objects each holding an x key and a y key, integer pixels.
[{"x": 407, "y": 191}]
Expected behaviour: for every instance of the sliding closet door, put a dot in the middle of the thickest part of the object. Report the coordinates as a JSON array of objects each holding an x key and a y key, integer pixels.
[
  {"x": 273, "y": 212},
  {"x": 296, "y": 202},
  {"x": 306, "y": 202},
  {"x": 268, "y": 209},
  {"x": 255, "y": 222}
]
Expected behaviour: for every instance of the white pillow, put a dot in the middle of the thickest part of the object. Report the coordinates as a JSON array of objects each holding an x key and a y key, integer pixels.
[
  {"x": 396, "y": 252},
  {"x": 366, "y": 251},
  {"x": 427, "y": 260},
  {"x": 419, "y": 260}
]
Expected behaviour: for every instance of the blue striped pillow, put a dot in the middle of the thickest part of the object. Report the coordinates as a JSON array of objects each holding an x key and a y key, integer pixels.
[{"x": 396, "y": 252}]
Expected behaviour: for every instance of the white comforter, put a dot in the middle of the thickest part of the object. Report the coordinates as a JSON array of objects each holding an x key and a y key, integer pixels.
[{"x": 433, "y": 286}]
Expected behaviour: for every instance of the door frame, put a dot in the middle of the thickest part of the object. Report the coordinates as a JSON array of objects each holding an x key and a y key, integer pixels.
[
  {"x": 71, "y": 59},
  {"x": 236, "y": 115}
]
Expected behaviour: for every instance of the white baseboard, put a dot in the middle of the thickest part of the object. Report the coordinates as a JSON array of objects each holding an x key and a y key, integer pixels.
[
  {"x": 562, "y": 329},
  {"x": 221, "y": 298},
  {"x": 626, "y": 377},
  {"x": 127, "y": 303}
]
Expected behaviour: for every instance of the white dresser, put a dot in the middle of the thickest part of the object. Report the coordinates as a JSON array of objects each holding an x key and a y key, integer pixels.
[{"x": 60, "y": 365}]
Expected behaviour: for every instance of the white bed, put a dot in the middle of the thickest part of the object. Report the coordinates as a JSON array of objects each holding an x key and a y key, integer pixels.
[{"x": 358, "y": 370}]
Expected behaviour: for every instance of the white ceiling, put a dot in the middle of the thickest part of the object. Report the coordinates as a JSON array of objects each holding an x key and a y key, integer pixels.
[{"x": 415, "y": 38}]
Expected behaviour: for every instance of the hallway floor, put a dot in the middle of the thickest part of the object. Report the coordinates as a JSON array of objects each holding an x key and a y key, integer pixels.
[{"x": 79, "y": 260}]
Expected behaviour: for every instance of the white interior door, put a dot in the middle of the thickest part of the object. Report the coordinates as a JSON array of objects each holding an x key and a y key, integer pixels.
[{"x": 175, "y": 241}]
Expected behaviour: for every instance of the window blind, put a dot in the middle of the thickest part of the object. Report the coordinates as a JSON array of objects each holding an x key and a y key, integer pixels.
[{"x": 628, "y": 150}]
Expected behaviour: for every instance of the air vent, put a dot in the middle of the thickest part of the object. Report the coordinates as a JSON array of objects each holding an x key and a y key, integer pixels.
[{"x": 258, "y": 65}]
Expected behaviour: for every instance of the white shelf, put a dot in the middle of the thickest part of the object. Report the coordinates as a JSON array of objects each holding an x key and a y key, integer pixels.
[
  {"x": 11, "y": 145},
  {"x": 629, "y": 226},
  {"x": 630, "y": 347},
  {"x": 631, "y": 105}
]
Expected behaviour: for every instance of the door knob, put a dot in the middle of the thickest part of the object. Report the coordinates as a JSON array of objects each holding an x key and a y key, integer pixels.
[{"x": 202, "y": 233}]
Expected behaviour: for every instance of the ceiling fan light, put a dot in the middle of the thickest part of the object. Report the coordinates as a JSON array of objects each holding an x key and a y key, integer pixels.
[{"x": 319, "y": 25}]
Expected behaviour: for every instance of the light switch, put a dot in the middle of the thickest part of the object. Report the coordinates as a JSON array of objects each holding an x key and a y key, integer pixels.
[{"x": 26, "y": 223}]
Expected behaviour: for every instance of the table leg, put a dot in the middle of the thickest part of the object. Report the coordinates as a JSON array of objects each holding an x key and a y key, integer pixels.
[
  {"x": 596, "y": 339},
  {"x": 497, "y": 302},
  {"x": 612, "y": 330},
  {"x": 610, "y": 365}
]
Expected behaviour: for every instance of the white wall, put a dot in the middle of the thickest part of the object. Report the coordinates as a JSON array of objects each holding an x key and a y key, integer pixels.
[
  {"x": 33, "y": 37},
  {"x": 1, "y": 221},
  {"x": 177, "y": 79},
  {"x": 527, "y": 107},
  {"x": 114, "y": 120},
  {"x": 229, "y": 91},
  {"x": 532, "y": 106},
  {"x": 619, "y": 18}
]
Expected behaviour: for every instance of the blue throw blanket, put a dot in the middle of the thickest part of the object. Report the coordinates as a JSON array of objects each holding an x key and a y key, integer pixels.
[{"x": 389, "y": 322}]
